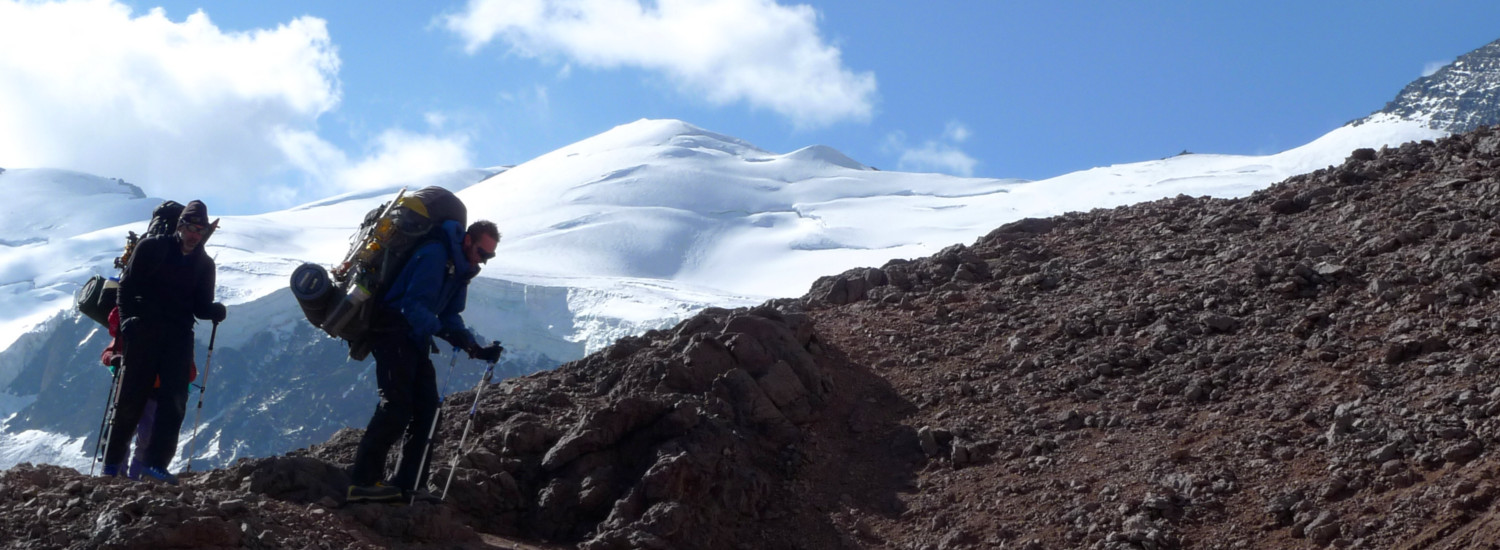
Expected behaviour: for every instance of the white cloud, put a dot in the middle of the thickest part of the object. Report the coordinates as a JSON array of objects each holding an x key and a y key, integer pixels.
[
  {"x": 757, "y": 51},
  {"x": 403, "y": 157},
  {"x": 183, "y": 108},
  {"x": 398, "y": 157},
  {"x": 1433, "y": 66},
  {"x": 938, "y": 157},
  {"x": 956, "y": 132},
  {"x": 176, "y": 106},
  {"x": 942, "y": 156}
]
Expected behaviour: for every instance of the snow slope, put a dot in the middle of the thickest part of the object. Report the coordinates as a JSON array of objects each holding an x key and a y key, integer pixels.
[
  {"x": 663, "y": 199},
  {"x": 50, "y": 239}
]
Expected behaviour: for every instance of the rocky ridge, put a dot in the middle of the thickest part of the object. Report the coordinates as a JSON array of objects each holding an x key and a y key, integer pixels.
[
  {"x": 1459, "y": 97},
  {"x": 1315, "y": 365}
]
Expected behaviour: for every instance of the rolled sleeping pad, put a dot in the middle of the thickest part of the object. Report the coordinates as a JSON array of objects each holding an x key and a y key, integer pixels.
[
  {"x": 109, "y": 297},
  {"x": 348, "y": 318},
  {"x": 96, "y": 297},
  {"x": 315, "y": 292}
]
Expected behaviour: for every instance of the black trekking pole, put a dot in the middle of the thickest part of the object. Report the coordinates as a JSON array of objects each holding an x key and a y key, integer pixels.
[
  {"x": 437, "y": 414},
  {"x": 106, "y": 424},
  {"x": 478, "y": 391},
  {"x": 203, "y": 384}
]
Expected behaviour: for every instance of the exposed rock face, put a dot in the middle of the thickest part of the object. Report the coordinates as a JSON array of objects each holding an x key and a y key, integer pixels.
[
  {"x": 1461, "y": 96},
  {"x": 1312, "y": 366}
]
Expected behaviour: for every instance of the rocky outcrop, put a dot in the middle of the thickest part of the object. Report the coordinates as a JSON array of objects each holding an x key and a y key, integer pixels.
[{"x": 676, "y": 436}]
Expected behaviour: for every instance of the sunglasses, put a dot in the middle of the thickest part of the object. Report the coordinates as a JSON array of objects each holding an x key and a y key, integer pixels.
[
  {"x": 196, "y": 228},
  {"x": 484, "y": 255}
]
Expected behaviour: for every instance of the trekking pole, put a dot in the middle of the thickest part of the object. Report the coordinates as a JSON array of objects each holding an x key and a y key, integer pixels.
[
  {"x": 478, "y": 391},
  {"x": 433, "y": 428},
  {"x": 207, "y": 362},
  {"x": 106, "y": 424}
]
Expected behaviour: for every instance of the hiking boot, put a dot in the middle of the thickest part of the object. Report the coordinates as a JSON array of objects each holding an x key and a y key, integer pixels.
[
  {"x": 421, "y": 495},
  {"x": 378, "y": 492},
  {"x": 158, "y": 474}
]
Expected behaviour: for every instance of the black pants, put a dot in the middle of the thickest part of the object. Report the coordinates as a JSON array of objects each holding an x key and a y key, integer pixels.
[
  {"x": 153, "y": 354},
  {"x": 408, "y": 404}
]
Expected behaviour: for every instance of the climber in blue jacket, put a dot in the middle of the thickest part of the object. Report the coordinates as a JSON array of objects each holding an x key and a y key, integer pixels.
[{"x": 424, "y": 301}]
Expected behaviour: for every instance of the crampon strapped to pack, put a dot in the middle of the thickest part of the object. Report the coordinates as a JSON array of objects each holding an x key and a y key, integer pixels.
[
  {"x": 98, "y": 295},
  {"x": 337, "y": 300}
]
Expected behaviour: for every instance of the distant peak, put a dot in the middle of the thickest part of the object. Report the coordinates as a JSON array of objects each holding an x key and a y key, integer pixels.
[
  {"x": 65, "y": 183},
  {"x": 826, "y": 154},
  {"x": 662, "y": 133},
  {"x": 1459, "y": 97},
  {"x": 660, "y": 125}
]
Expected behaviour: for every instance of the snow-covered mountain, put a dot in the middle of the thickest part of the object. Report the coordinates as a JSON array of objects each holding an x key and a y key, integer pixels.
[
  {"x": 626, "y": 231},
  {"x": 49, "y": 213},
  {"x": 42, "y": 205},
  {"x": 1458, "y": 97},
  {"x": 665, "y": 200}
]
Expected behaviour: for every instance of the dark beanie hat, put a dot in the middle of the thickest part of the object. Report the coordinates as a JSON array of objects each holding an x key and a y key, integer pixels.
[{"x": 195, "y": 213}]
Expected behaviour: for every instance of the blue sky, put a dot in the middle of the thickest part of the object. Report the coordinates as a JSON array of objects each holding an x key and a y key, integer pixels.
[{"x": 274, "y": 103}]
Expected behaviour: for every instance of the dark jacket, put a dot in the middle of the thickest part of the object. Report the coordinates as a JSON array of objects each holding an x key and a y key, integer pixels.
[
  {"x": 431, "y": 290},
  {"x": 164, "y": 287}
]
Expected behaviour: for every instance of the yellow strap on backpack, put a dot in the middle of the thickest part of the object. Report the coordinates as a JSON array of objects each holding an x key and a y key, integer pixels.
[{"x": 415, "y": 205}]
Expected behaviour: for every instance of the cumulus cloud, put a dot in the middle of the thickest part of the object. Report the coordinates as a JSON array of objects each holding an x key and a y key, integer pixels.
[
  {"x": 397, "y": 157},
  {"x": 756, "y": 51},
  {"x": 184, "y": 109},
  {"x": 938, "y": 157},
  {"x": 934, "y": 155}
]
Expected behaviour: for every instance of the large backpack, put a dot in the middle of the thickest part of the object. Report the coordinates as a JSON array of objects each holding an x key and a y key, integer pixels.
[
  {"x": 337, "y": 300},
  {"x": 98, "y": 295}
]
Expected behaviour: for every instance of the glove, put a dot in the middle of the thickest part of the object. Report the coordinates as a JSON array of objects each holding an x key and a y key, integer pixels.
[
  {"x": 217, "y": 312},
  {"x": 490, "y": 353}
]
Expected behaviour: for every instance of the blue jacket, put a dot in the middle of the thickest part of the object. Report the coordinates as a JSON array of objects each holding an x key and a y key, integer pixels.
[{"x": 431, "y": 290}]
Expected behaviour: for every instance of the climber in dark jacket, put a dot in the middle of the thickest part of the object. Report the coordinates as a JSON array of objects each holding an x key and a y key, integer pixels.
[
  {"x": 168, "y": 282},
  {"x": 424, "y": 301},
  {"x": 113, "y": 357}
]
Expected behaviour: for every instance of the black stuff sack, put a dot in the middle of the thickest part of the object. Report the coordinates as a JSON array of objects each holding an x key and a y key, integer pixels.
[{"x": 96, "y": 297}]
